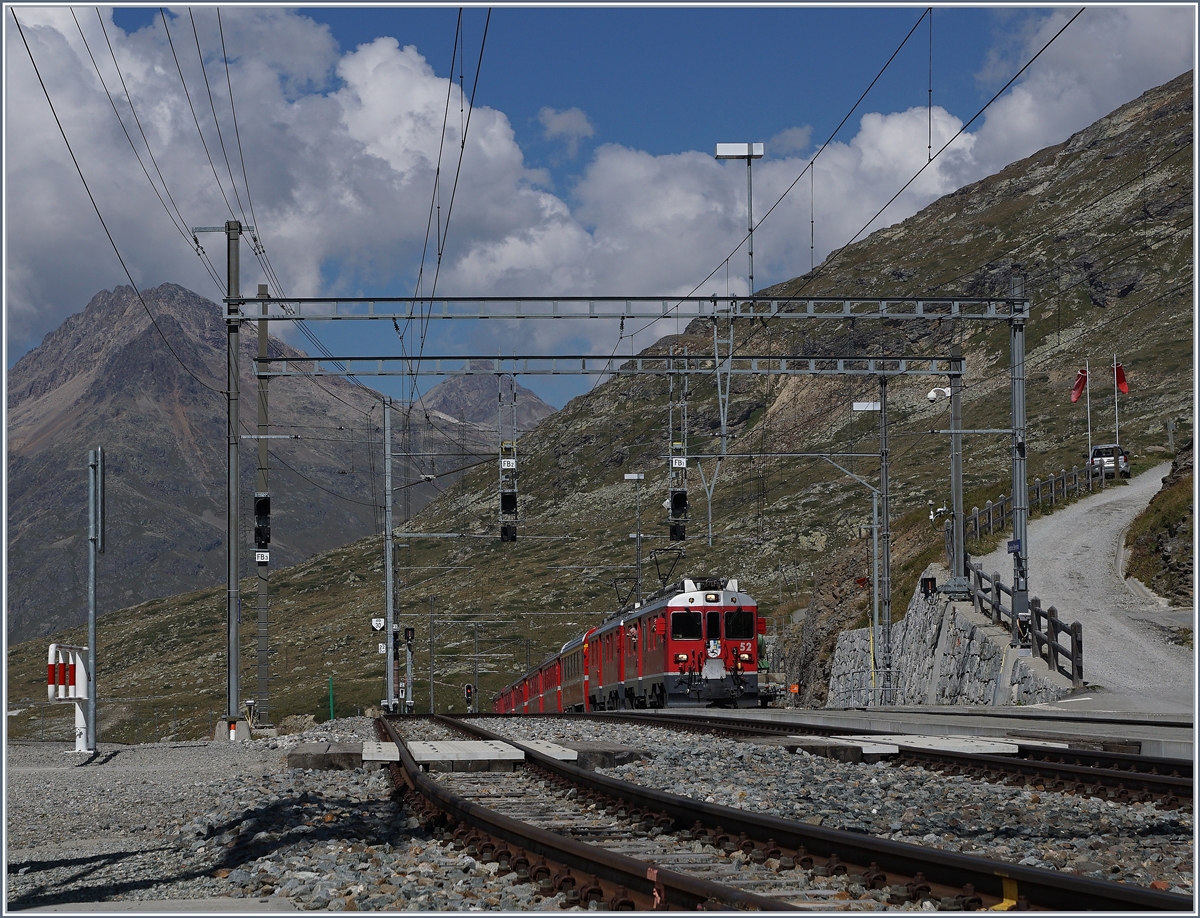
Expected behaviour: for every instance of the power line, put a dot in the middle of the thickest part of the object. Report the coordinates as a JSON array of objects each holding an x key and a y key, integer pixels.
[{"x": 100, "y": 216}]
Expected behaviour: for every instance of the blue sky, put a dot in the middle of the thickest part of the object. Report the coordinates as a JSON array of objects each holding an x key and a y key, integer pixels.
[{"x": 588, "y": 166}]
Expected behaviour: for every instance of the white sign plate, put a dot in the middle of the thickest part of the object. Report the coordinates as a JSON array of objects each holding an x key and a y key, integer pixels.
[
  {"x": 508, "y": 463},
  {"x": 678, "y": 463},
  {"x": 377, "y": 624},
  {"x": 866, "y": 406},
  {"x": 262, "y": 557},
  {"x": 383, "y": 648}
]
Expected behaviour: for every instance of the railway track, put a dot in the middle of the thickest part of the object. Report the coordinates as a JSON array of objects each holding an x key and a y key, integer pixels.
[
  {"x": 586, "y": 836},
  {"x": 1108, "y": 775}
]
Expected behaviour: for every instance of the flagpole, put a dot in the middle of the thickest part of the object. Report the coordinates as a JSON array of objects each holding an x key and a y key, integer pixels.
[
  {"x": 1087, "y": 388},
  {"x": 1116, "y": 414}
]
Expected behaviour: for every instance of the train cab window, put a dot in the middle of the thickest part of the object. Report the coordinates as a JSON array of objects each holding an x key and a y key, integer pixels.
[
  {"x": 739, "y": 625},
  {"x": 685, "y": 626},
  {"x": 714, "y": 625}
]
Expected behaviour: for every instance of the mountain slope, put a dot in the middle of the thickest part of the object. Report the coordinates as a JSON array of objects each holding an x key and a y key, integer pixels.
[
  {"x": 1100, "y": 228},
  {"x": 106, "y": 377}
]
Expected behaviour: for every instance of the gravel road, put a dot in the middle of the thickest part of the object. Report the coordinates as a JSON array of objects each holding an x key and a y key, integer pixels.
[{"x": 1129, "y": 658}]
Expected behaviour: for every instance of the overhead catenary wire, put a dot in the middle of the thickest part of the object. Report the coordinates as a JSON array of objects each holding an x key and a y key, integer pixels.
[
  {"x": 177, "y": 219},
  {"x": 99, "y": 215}
]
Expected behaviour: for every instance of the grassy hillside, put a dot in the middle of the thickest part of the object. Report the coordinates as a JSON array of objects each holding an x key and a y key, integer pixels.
[{"x": 1098, "y": 229}]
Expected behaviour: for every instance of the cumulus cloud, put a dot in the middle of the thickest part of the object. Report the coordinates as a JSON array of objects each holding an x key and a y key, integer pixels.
[
  {"x": 793, "y": 140},
  {"x": 571, "y": 125},
  {"x": 342, "y": 151}
]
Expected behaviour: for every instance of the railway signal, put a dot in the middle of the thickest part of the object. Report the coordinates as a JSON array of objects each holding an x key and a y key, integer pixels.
[
  {"x": 470, "y": 697},
  {"x": 677, "y": 502},
  {"x": 508, "y": 491},
  {"x": 262, "y": 520}
]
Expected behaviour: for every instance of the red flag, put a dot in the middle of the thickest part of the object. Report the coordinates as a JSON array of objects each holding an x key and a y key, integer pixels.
[
  {"x": 1122, "y": 384},
  {"x": 1077, "y": 389}
]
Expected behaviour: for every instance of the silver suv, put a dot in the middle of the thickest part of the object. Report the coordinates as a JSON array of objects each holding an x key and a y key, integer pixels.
[{"x": 1112, "y": 457}]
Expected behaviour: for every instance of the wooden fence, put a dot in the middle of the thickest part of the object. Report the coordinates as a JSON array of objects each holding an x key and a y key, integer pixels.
[
  {"x": 1042, "y": 631},
  {"x": 997, "y": 515}
]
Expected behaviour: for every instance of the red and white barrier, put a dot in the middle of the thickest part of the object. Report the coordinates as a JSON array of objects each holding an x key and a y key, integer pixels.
[{"x": 67, "y": 681}]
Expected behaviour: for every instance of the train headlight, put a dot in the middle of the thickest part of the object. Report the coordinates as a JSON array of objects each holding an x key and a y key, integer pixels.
[
  {"x": 712, "y": 597},
  {"x": 744, "y": 657},
  {"x": 681, "y": 658}
]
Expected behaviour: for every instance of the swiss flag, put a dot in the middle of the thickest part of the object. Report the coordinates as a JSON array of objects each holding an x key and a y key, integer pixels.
[
  {"x": 1080, "y": 382},
  {"x": 1122, "y": 383}
]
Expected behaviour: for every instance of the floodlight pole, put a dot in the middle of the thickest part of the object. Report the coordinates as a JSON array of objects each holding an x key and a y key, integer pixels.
[
  {"x": 388, "y": 571},
  {"x": 636, "y": 478},
  {"x": 749, "y": 152}
]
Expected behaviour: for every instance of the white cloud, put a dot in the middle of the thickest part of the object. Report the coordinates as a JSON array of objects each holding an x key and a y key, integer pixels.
[
  {"x": 342, "y": 173},
  {"x": 793, "y": 140},
  {"x": 571, "y": 125}
]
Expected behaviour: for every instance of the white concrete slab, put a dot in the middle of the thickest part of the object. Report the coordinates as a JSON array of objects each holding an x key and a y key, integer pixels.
[
  {"x": 555, "y": 751},
  {"x": 426, "y": 753},
  {"x": 976, "y": 745},
  {"x": 868, "y": 746},
  {"x": 380, "y": 752}
]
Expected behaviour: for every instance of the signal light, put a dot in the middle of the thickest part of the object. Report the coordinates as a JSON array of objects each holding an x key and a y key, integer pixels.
[
  {"x": 470, "y": 692},
  {"x": 262, "y": 520},
  {"x": 409, "y": 634},
  {"x": 508, "y": 532},
  {"x": 508, "y": 502},
  {"x": 679, "y": 505},
  {"x": 678, "y": 532}
]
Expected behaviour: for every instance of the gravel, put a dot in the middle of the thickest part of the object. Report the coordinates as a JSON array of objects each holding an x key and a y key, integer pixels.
[
  {"x": 1134, "y": 843},
  {"x": 197, "y": 820}
]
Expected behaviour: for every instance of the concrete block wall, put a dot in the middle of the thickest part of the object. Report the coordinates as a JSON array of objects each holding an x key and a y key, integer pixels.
[{"x": 943, "y": 654}]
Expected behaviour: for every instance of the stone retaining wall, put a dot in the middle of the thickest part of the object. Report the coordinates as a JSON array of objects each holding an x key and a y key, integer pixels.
[{"x": 942, "y": 653}]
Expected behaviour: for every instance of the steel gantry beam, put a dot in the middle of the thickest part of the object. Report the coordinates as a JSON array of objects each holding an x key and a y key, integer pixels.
[
  {"x": 642, "y": 307},
  {"x": 667, "y": 365}
]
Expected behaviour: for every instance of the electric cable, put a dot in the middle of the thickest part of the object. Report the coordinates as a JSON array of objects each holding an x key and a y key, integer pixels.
[
  {"x": 177, "y": 219},
  {"x": 100, "y": 216}
]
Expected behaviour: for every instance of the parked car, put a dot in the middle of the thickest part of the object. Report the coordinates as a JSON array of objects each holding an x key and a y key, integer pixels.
[{"x": 1112, "y": 457}]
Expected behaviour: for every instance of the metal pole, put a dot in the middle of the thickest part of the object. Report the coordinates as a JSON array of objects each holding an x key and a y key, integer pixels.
[
  {"x": 957, "y": 573},
  {"x": 750, "y": 211},
  {"x": 637, "y": 491},
  {"x": 874, "y": 568},
  {"x": 885, "y": 585},
  {"x": 233, "y": 321},
  {"x": 430, "y": 654},
  {"x": 262, "y": 704},
  {"x": 388, "y": 573},
  {"x": 1020, "y": 492},
  {"x": 409, "y": 704},
  {"x": 1087, "y": 388},
  {"x": 94, "y": 485},
  {"x": 1116, "y": 411},
  {"x": 475, "y": 699}
]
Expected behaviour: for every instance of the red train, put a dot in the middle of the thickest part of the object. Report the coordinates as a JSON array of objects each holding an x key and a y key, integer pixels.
[{"x": 693, "y": 643}]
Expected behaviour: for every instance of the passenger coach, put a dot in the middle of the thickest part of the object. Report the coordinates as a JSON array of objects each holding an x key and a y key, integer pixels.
[{"x": 694, "y": 643}]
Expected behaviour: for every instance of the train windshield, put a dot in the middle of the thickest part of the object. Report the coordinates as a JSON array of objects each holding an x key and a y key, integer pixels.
[
  {"x": 685, "y": 626},
  {"x": 739, "y": 624}
]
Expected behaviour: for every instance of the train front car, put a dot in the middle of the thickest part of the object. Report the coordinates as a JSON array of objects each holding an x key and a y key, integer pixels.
[{"x": 711, "y": 654}]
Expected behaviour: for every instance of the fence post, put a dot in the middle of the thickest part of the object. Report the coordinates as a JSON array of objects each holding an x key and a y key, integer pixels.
[
  {"x": 1076, "y": 654},
  {"x": 996, "y": 617},
  {"x": 1052, "y": 628},
  {"x": 975, "y": 521},
  {"x": 987, "y": 508}
]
